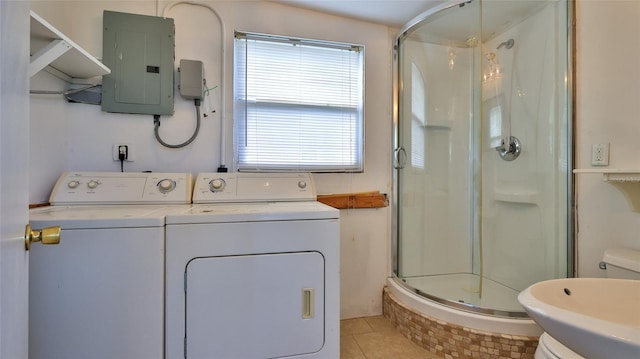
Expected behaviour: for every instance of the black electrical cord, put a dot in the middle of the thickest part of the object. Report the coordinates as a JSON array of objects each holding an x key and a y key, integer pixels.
[
  {"x": 121, "y": 157},
  {"x": 156, "y": 126}
]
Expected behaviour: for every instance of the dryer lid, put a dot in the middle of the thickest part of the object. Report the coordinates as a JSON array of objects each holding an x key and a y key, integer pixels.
[{"x": 254, "y": 212}]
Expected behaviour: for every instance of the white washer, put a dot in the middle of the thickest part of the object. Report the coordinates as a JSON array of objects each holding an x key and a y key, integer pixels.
[
  {"x": 100, "y": 292},
  {"x": 257, "y": 279}
]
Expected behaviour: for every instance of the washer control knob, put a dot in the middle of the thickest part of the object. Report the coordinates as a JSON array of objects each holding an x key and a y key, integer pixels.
[
  {"x": 73, "y": 184},
  {"x": 93, "y": 184},
  {"x": 302, "y": 184},
  {"x": 216, "y": 184},
  {"x": 166, "y": 185}
]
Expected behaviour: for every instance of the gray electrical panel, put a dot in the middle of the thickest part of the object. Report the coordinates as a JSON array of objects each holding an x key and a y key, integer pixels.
[
  {"x": 139, "y": 50},
  {"x": 191, "y": 84}
]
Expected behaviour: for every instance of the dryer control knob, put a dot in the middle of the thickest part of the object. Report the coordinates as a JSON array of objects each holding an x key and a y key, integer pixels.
[
  {"x": 302, "y": 184},
  {"x": 216, "y": 184},
  {"x": 73, "y": 184},
  {"x": 93, "y": 184},
  {"x": 166, "y": 185}
]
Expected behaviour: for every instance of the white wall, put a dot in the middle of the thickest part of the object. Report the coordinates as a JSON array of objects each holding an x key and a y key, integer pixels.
[
  {"x": 80, "y": 137},
  {"x": 608, "y": 95}
]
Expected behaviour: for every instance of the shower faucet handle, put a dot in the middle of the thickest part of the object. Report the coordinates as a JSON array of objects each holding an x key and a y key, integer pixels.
[{"x": 511, "y": 152}]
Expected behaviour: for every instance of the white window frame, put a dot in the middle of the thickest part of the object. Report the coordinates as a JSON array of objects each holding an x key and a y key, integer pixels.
[{"x": 278, "y": 127}]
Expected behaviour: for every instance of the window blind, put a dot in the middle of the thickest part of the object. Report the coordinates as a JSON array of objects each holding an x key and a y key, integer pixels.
[{"x": 298, "y": 104}]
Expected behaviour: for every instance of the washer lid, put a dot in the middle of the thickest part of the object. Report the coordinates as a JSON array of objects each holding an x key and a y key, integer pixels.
[
  {"x": 254, "y": 212},
  {"x": 105, "y": 216}
]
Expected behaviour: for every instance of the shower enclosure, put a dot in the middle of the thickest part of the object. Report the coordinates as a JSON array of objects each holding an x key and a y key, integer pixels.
[{"x": 482, "y": 163}]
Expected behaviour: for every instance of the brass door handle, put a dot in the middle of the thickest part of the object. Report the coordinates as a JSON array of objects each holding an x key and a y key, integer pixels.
[{"x": 49, "y": 235}]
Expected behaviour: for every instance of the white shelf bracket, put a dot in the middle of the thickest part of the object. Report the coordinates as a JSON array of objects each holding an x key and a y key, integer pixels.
[
  {"x": 47, "y": 55},
  {"x": 628, "y": 184},
  {"x": 626, "y": 181},
  {"x": 57, "y": 54}
]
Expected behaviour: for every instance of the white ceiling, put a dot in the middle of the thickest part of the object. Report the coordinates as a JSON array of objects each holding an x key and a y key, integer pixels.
[
  {"x": 388, "y": 12},
  {"x": 497, "y": 15}
]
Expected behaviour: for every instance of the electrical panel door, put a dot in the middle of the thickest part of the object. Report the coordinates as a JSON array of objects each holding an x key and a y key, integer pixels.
[{"x": 139, "y": 50}]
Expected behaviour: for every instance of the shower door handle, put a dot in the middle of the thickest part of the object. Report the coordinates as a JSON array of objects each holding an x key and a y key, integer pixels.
[{"x": 399, "y": 158}]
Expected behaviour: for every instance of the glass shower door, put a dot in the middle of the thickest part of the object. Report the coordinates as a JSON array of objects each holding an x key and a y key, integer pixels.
[
  {"x": 435, "y": 185},
  {"x": 479, "y": 219}
]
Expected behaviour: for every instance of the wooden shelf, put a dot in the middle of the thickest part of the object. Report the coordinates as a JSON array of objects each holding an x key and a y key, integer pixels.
[
  {"x": 51, "y": 49},
  {"x": 627, "y": 181},
  {"x": 373, "y": 199}
]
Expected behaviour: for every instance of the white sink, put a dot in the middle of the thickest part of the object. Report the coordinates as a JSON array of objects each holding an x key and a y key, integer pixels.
[{"x": 594, "y": 317}]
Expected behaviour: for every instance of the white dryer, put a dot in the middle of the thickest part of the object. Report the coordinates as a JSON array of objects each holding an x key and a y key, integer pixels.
[
  {"x": 253, "y": 270},
  {"x": 100, "y": 292}
]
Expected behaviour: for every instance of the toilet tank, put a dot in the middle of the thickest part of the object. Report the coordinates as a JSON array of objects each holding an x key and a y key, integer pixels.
[{"x": 622, "y": 263}]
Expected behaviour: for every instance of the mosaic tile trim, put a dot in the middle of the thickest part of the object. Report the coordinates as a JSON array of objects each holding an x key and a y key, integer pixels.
[{"x": 453, "y": 341}]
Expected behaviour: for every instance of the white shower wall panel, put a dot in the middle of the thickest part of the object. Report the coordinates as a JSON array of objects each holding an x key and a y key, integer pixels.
[{"x": 516, "y": 230}]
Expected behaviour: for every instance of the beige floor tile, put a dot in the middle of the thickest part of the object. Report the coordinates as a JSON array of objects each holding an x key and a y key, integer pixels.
[
  {"x": 349, "y": 349},
  {"x": 389, "y": 345},
  {"x": 380, "y": 324},
  {"x": 354, "y": 326},
  {"x": 376, "y": 338}
]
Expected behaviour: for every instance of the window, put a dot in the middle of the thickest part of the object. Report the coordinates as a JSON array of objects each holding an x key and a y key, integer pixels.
[{"x": 298, "y": 104}]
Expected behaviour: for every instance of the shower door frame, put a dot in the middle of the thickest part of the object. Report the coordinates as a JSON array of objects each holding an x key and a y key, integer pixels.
[{"x": 399, "y": 156}]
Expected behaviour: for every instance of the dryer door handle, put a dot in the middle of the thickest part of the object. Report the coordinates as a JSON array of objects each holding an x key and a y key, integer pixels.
[{"x": 308, "y": 303}]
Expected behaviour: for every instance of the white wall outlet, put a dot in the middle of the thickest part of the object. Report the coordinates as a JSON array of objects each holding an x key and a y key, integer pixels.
[
  {"x": 600, "y": 154},
  {"x": 129, "y": 151}
]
